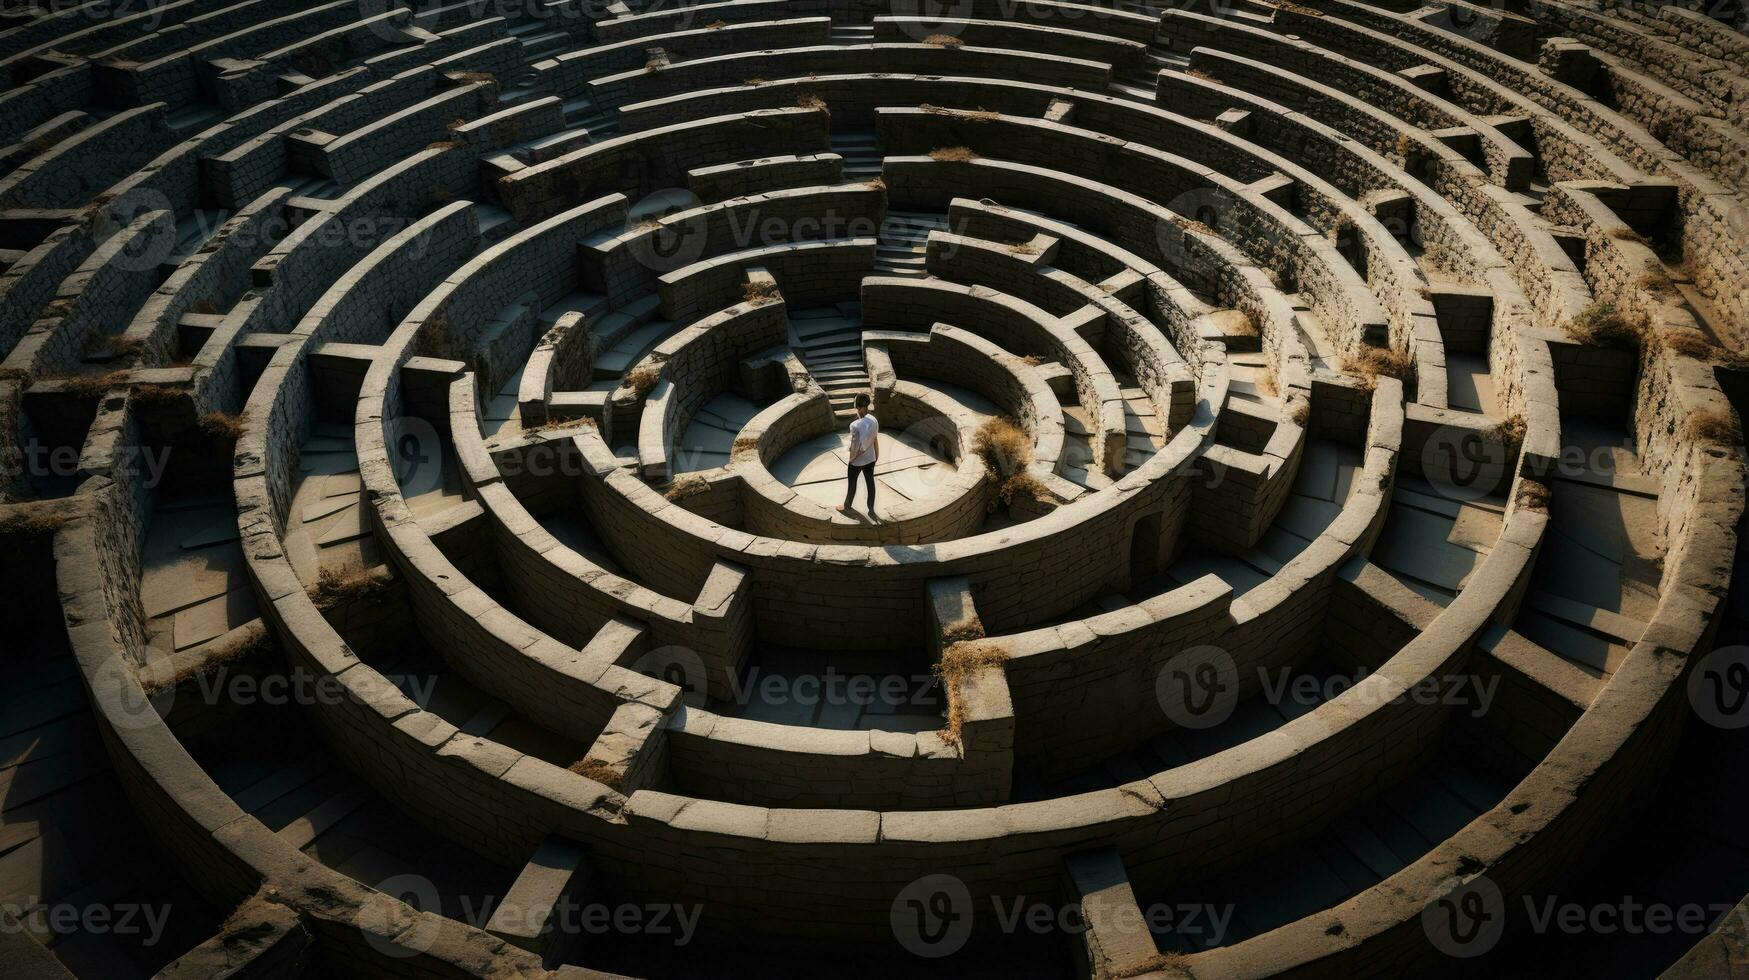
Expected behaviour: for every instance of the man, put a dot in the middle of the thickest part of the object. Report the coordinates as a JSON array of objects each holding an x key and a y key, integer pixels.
[{"x": 865, "y": 452}]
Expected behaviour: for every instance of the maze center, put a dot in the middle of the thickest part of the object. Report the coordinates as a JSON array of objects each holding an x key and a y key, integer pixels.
[{"x": 1304, "y": 530}]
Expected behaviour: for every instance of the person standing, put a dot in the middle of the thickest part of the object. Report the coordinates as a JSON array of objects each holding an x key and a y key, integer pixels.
[{"x": 865, "y": 452}]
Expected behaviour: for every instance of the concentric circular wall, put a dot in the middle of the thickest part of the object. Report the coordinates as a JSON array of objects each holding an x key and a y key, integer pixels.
[{"x": 1302, "y": 540}]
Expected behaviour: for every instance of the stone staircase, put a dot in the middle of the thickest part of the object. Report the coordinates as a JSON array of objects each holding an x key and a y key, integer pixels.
[
  {"x": 904, "y": 243},
  {"x": 852, "y": 34},
  {"x": 830, "y": 345},
  {"x": 861, "y": 153}
]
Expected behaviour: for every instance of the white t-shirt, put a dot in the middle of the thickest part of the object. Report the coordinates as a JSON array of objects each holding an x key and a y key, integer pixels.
[{"x": 863, "y": 433}]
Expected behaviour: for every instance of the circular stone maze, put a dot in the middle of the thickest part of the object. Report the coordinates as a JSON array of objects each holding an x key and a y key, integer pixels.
[{"x": 1303, "y": 541}]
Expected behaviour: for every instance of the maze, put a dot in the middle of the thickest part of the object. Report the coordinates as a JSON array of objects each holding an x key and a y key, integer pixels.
[{"x": 1304, "y": 533}]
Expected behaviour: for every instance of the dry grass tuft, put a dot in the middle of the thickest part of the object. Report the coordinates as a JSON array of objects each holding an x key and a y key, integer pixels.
[
  {"x": 1405, "y": 144},
  {"x": 716, "y": 24},
  {"x": 1033, "y": 360},
  {"x": 1023, "y": 487},
  {"x": 686, "y": 486},
  {"x": 1602, "y": 325},
  {"x": 970, "y": 115},
  {"x": 641, "y": 380},
  {"x": 944, "y": 41},
  {"x": 1007, "y": 451},
  {"x": 744, "y": 445},
  {"x": 812, "y": 102},
  {"x": 962, "y": 630},
  {"x": 1268, "y": 384},
  {"x": 1302, "y": 414},
  {"x": 555, "y": 423},
  {"x": 33, "y": 522},
  {"x": 1656, "y": 281},
  {"x": 336, "y": 585},
  {"x": 1199, "y": 73},
  {"x": 1706, "y": 425},
  {"x": 601, "y": 772},
  {"x": 1004, "y": 446},
  {"x": 90, "y": 385},
  {"x": 1154, "y": 964},
  {"x": 1191, "y": 224},
  {"x": 952, "y": 154},
  {"x": 156, "y": 394},
  {"x": 1378, "y": 362},
  {"x": 1626, "y": 234},
  {"x": 967, "y": 656},
  {"x": 1025, "y": 248},
  {"x": 117, "y": 346},
  {"x": 1532, "y": 494},
  {"x": 224, "y": 426},
  {"x": 1510, "y": 431},
  {"x": 1691, "y": 343},
  {"x": 753, "y": 80},
  {"x": 958, "y": 662},
  {"x": 875, "y": 184},
  {"x": 760, "y": 291}
]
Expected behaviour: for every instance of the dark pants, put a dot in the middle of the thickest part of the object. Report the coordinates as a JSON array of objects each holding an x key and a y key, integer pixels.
[{"x": 850, "y": 486}]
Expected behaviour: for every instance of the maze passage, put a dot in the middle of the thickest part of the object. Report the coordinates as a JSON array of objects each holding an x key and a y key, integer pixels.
[{"x": 1106, "y": 488}]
